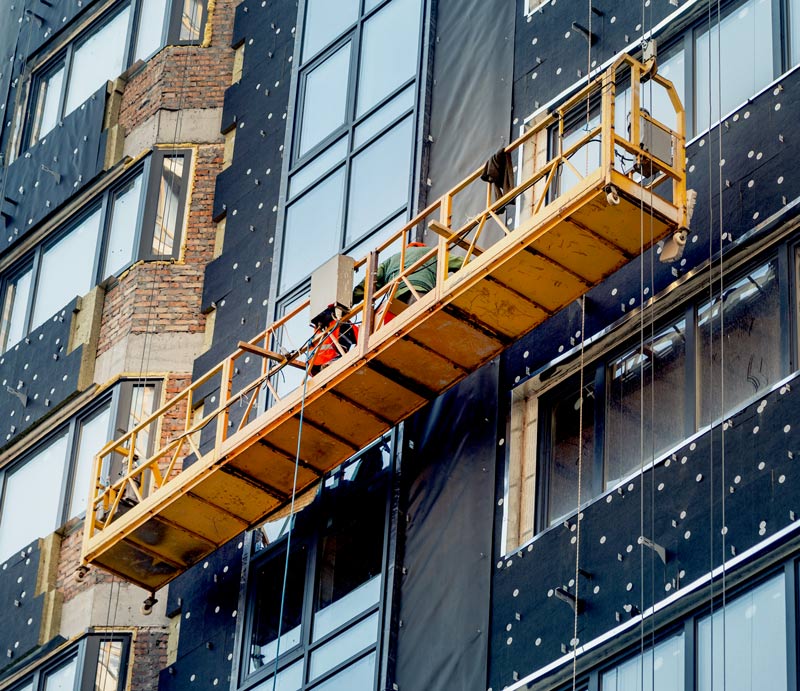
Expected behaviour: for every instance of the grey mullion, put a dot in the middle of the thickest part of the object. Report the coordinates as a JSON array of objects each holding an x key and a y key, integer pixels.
[
  {"x": 130, "y": 35},
  {"x": 309, "y": 590},
  {"x": 36, "y": 265},
  {"x": 65, "y": 82},
  {"x": 102, "y": 241},
  {"x": 780, "y": 48},
  {"x": 790, "y": 589},
  {"x": 380, "y": 133},
  {"x": 689, "y": 654},
  {"x": 67, "y": 476},
  {"x": 390, "y": 564},
  {"x": 312, "y": 645}
]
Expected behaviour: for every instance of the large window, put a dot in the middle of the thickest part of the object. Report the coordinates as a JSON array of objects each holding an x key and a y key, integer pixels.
[
  {"x": 116, "y": 229},
  {"x": 740, "y": 644},
  {"x": 50, "y": 484},
  {"x": 97, "y": 661},
  {"x": 131, "y": 31},
  {"x": 354, "y": 129},
  {"x": 707, "y": 359},
  {"x": 328, "y": 637}
]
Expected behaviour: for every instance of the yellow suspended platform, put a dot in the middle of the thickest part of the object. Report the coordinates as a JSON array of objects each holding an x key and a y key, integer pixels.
[{"x": 589, "y": 200}]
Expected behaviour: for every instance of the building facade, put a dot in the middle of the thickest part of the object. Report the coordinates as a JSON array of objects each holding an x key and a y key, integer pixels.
[{"x": 609, "y": 504}]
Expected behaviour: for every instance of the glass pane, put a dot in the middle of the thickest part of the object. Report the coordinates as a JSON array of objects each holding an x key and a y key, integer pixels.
[
  {"x": 351, "y": 548},
  {"x": 379, "y": 180},
  {"x": 15, "y": 309},
  {"x": 317, "y": 167},
  {"x": 743, "y": 44},
  {"x": 47, "y": 102},
  {"x": 313, "y": 230},
  {"x": 744, "y": 647},
  {"x": 748, "y": 319},
  {"x": 168, "y": 210},
  {"x": 92, "y": 436},
  {"x": 372, "y": 241},
  {"x": 355, "y": 602},
  {"x": 66, "y": 269},
  {"x": 384, "y": 117},
  {"x": 325, "y": 99},
  {"x": 266, "y": 611},
  {"x": 109, "y": 665},
  {"x": 660, "y": 672},
  {"x": 369, "y": 4},
  {"x": 61, "y": 679},
  {"x": 289, "y": 679},
  {"x": 389, "y": 51},
  {"x": 31, "y": 497},
  {"x": 360, "y": 675},
  {"x": 566, "y": 434},
  {"x": 123, "y": 222},
  {"x": 584, "y": 159},
  {"x": 641, "y": 385},
  {"x": 27, "y": 687},
  {"x": 191, "y": 18},
  {"x": 97, "y": 59},
  {"x": 151, "y": 28},
  {"x": 293, "y": 334},
  {"x": 344, "y": 646},
  {"x": 143, "y": 403},
  {"x": 325, "y": 20}
]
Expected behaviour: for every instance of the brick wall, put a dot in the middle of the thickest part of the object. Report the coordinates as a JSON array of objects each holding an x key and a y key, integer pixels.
[
  {"x": 180, "y": 77},
  {"x": 148, "y": 657},
  {"x": 164, "y": 297}
]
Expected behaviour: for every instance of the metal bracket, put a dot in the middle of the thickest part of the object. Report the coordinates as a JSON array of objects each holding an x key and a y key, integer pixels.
[
  {"x": 564, "y": 595},
  {"x": 590, "y": 36},
  {"x": 52, "y": 172},
  {"x": 658, "y": 549}
]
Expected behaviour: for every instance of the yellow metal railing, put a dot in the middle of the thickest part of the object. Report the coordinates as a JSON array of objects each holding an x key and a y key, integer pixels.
[{"x": 550, "y": 147}]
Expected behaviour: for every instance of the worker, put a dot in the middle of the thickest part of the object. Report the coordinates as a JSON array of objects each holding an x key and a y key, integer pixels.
[
  {"x": 341, "y": 337},
  {"x": 423, "y": 279}
]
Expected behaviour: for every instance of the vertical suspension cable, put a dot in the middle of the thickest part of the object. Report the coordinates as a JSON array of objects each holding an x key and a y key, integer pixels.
[{"x": 574, "y": 641}]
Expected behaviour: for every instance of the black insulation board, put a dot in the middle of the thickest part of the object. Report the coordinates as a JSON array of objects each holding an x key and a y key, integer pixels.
[
  {"x": 447, "y": 500},
  {"x": 237, "y": 282},
  {"x": 761, "y": 487},
  {"x": 40, "y": 369},
  {"x": 53, "y": 170},
  {"x": 206, "y": 598},
  {"x": 23, "y": 609},
  {"x": 26, "y": 28},
  {"x": 550, "y": 55},
  {"x": 470, "y": 96}
]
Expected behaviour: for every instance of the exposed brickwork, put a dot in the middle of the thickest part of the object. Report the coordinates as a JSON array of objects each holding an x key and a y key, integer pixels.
[
  {"x": 148, "y": 657},
  {"x": 164, "y": 297},
  {"x": 180, "y": 77}
]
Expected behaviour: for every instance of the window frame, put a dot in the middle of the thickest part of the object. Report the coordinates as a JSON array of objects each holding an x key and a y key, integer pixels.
[
  {"x": 86, "y": 652},
  {"x": 296, "y": 163},
  {"x": 785, "y": 254},
  {"x": 116, "y": 400},
  {"x": 170, "y": 35},
  {"x": 310, "y": 538},
  {"x": 149, "y": 170}
]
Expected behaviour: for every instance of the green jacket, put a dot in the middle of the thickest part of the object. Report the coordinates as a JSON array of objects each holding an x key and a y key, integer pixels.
[{"x": 423, "y": 279}]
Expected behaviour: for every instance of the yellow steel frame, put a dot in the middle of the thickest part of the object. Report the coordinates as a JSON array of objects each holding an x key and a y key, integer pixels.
[{"x": 149, "y": 484}]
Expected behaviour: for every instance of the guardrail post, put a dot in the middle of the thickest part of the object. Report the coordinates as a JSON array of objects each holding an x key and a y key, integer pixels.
[
  {"x": 368, "y": 322},
  {"x": 225, "y": 387},
  {"x": 607, "y": 122}
]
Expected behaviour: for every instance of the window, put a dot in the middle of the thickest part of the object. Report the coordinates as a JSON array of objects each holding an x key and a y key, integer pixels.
[
  {"x": 740, "y": 645},
  {"x": 354, "y": 130},
  {"x": 751, "y": 632},
  {"x": 661, "y": 668},
  {"x": 676, "y": 366},
  {"x": 50, "y": 484},
  {"x": 97, "y": 661},
  {"x": 743, "y": 43},
  {"x": 131, "y": 31},
  {"x": 328, "y": 636},
  {"x": 115, "y": 230}
]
